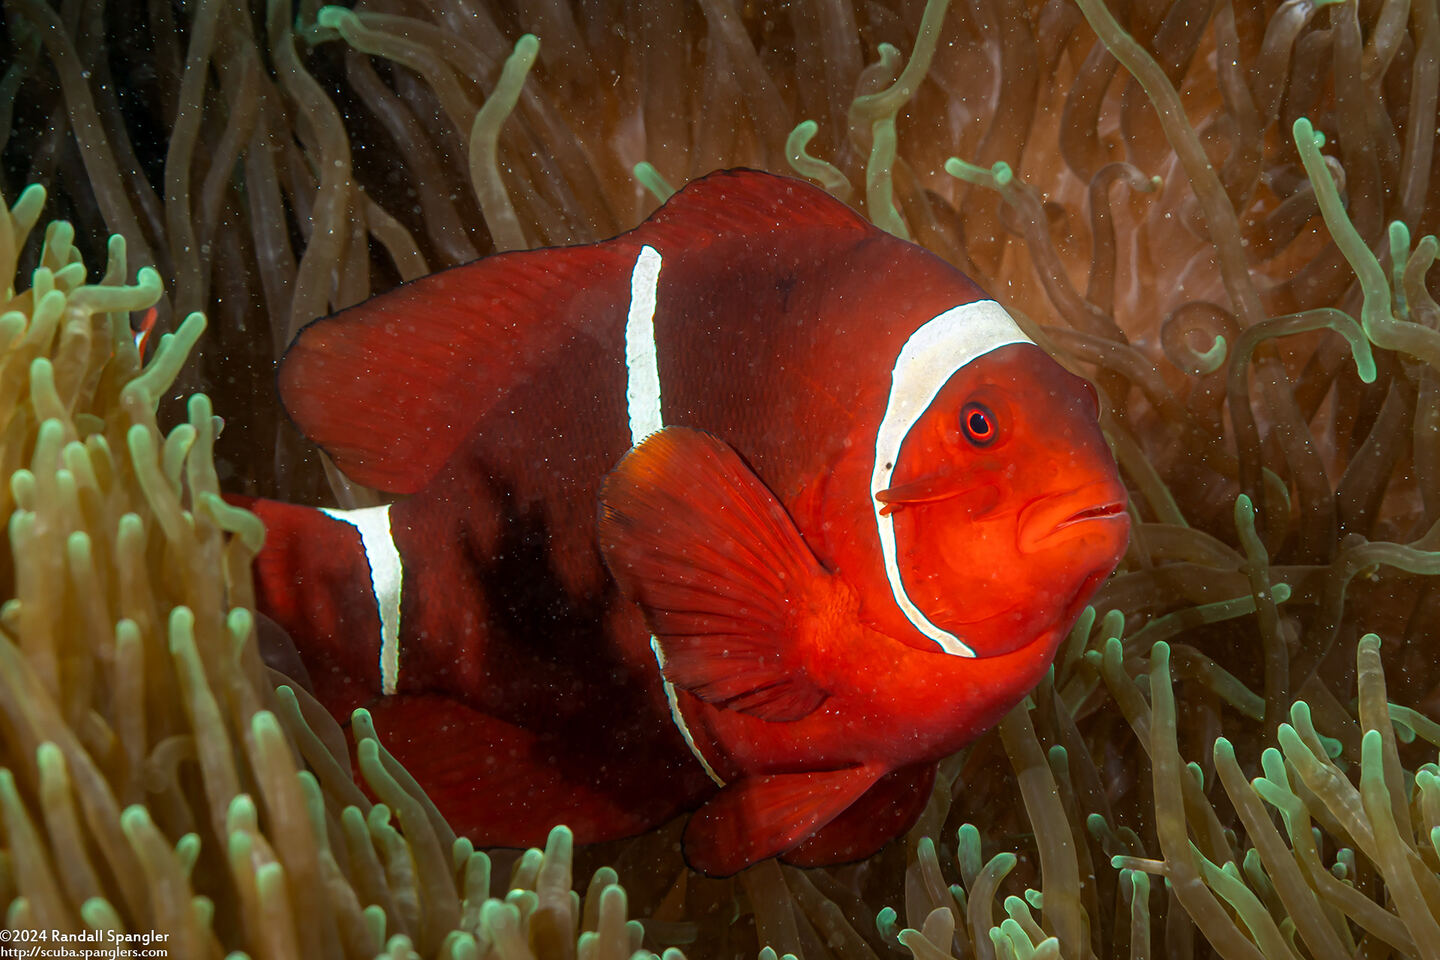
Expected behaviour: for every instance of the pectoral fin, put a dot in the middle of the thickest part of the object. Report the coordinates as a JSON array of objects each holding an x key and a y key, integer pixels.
[
  {"x": 723, "y": 575},
  {"x": 759, "y": 817}
]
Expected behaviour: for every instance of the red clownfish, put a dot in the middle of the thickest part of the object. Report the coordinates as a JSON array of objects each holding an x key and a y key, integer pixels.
[{"x": 806, "y": 469}]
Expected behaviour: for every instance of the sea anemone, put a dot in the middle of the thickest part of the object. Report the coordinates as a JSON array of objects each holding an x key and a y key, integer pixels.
[
  {"x": 159, "y": 790},
  {"x": 1256, "y": 306}
]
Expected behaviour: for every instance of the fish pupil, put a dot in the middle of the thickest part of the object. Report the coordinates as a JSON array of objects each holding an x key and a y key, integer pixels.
[{"x": 978, "y": 424}]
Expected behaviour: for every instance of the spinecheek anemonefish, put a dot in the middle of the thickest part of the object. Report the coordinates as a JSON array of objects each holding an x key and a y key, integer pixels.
[{"x": 755, "y": 511}]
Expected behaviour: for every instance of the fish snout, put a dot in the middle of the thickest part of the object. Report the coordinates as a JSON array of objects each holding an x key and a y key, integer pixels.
[{"x": 1051, "y": 520}]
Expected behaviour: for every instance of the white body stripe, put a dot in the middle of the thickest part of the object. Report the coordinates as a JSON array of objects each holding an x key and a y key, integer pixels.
[
  {"x": 928, "y": 360},
  {"x": 386, "y": 577},
  {"x": 642, "y": 366},
  {"x": 642, "y": 402},
  {"x": 680, "y": 720}
]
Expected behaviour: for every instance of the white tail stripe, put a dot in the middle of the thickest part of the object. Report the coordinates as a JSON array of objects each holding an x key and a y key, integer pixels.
[
  {"x": 642, "y": 367},
  {"x": 386, "y": 577}
]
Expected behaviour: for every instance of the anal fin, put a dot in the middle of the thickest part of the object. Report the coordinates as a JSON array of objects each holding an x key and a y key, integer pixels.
[
  {"x": 887, "y": 809},
  {"x": 762, "y": 816}
]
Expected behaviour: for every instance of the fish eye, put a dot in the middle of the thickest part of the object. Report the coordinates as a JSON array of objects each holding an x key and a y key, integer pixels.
[{"x": 978, "y": 424}]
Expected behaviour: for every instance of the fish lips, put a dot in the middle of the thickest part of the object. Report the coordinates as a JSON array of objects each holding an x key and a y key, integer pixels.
[{"x": 1050, "y": 521}]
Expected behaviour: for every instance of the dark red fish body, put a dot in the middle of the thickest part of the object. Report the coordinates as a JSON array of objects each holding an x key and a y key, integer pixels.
[{"x": 864, "y": 511}]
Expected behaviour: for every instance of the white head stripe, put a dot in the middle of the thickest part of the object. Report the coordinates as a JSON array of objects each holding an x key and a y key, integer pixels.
[
  {"x": 386, "y": 576},
  {"x": 931, "y": 356},
  {"x": 642, "y": 368}
]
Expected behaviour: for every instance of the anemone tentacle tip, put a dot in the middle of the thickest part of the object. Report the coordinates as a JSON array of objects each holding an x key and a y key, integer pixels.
[{"x": 332, "y": 16}]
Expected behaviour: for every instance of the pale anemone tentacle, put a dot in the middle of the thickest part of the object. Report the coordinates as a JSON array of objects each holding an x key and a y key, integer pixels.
[{"x": 930, "y": 357}]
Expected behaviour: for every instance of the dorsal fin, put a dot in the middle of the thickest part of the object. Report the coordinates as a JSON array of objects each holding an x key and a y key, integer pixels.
[{"x": 390, "y": 387}]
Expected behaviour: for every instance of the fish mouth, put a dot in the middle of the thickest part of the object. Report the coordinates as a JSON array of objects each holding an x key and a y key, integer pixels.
[{"x": 1045, "y": 522}]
